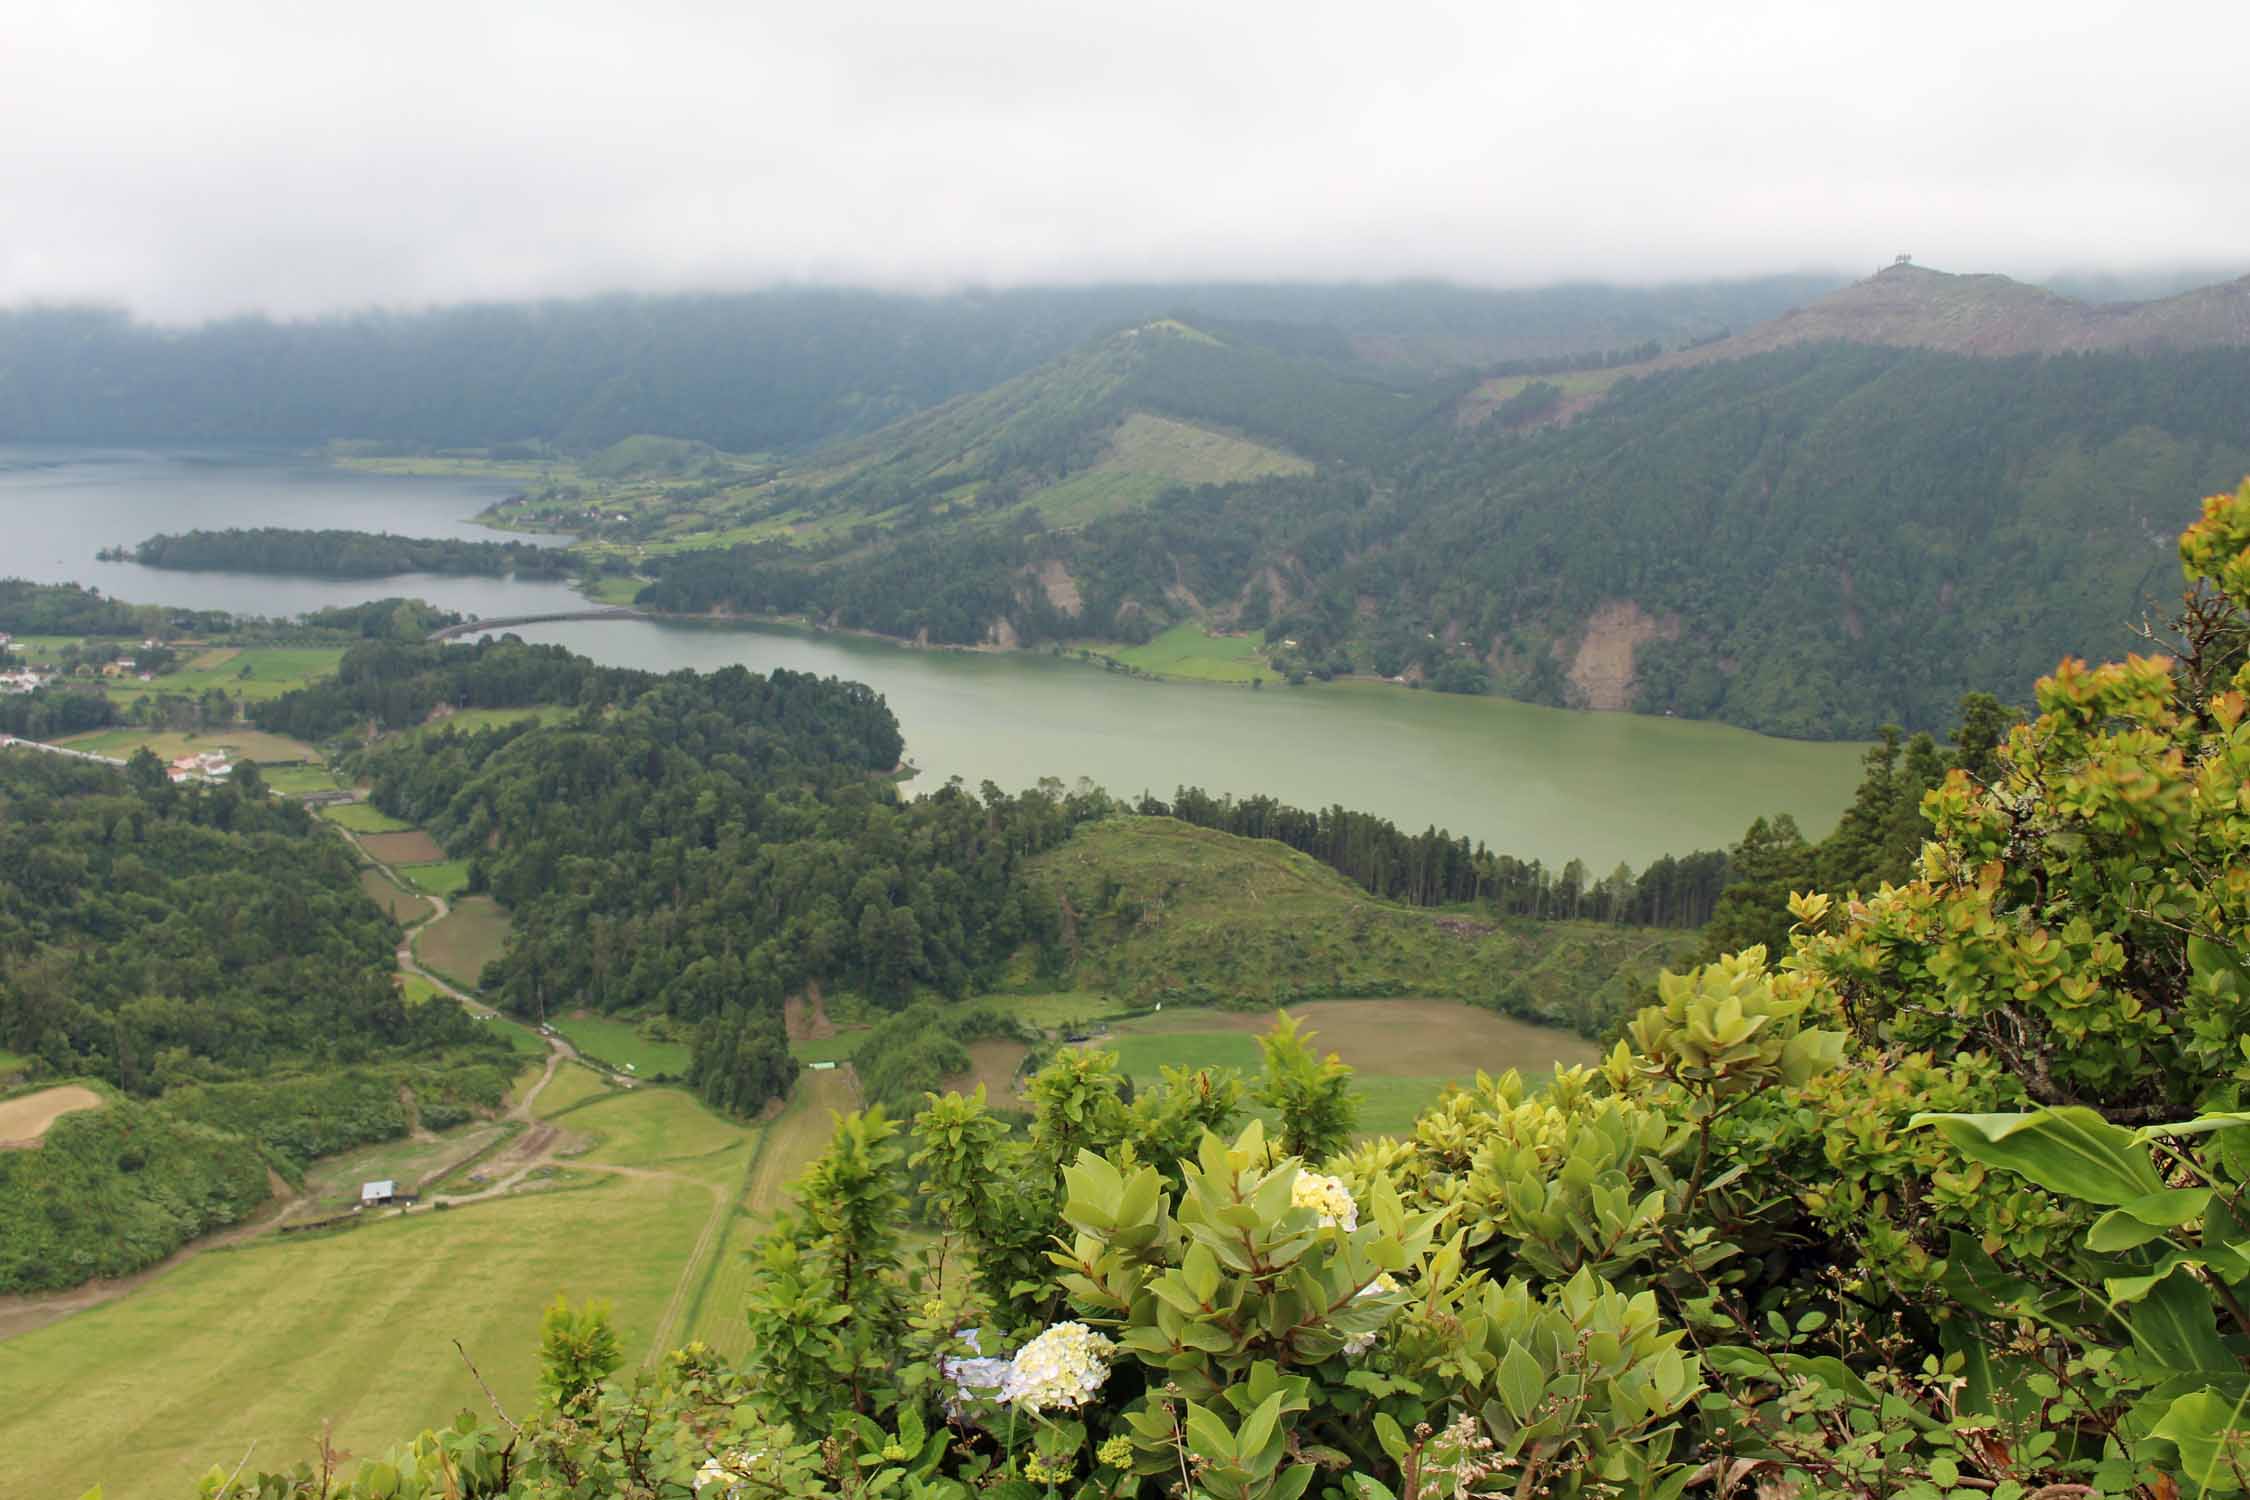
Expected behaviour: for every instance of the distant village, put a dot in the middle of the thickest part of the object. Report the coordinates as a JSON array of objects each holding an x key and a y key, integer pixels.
[
  {"x": 32, "y": 676},
  {"x": 211, "y": 765}
]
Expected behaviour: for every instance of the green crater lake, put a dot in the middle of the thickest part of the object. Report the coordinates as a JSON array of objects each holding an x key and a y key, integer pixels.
[{"x": 1534, "y": 782}]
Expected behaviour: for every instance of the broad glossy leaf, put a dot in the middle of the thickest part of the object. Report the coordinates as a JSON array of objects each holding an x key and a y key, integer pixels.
[{"x": 2069, "y": 1150}]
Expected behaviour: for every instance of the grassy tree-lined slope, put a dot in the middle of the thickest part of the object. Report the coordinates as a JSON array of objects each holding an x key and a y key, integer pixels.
[{"x": 1153, "y": 909}]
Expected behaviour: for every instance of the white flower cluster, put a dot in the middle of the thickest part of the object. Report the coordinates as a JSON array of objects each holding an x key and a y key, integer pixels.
[
  {"x": 1328, "y": 1197},
  {"x": 727, "y": 1471},
  {"x": 1063, "y": 1367}
]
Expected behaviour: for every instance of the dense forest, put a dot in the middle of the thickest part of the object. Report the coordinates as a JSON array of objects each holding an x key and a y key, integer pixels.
[
  {"x": 701, "y": 846},
  {"x": 757, "y": 371},
  {"x": 28, "y": 608},
  {"x": 155, "y": 934},
  {"x": 1812, "y": 542},
  {"x": 348, "y": 554}
]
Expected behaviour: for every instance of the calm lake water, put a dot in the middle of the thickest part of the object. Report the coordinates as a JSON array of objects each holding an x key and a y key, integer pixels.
[
  {"x": 1531, "y": 781},
  {"x": 59, "y": 506}
]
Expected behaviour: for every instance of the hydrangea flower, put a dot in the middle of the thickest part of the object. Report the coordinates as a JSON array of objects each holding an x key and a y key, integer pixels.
[
  {"x": 726, "y": 1471},
  {"x": 1328, "y": 1197},
  {"x": 1062, "y": 1368}
]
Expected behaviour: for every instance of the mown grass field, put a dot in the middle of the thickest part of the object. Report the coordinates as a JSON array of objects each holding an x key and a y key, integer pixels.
[
  {"x": 1189, "y": 652},
  {"x": 171, "y": 744},
  {"x": 1404, "y": 1051},
  {"x": 363, "y": 817},
  {"x": 298, "y": 781},
  {"x": 263, "y": 1342},
  {"x": 440, "y": 879},
  {"x": 621, "y": 1043},
  {"x": 460, "y": 943},
  {"x": 788, "y": 1143}
]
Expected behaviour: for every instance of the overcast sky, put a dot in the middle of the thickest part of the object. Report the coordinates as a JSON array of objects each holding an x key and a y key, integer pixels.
[{"x": 197, "y": 157}]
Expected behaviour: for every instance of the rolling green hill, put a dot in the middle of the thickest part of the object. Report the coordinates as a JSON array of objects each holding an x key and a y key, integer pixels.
[{"x": 1156, "y": 909}]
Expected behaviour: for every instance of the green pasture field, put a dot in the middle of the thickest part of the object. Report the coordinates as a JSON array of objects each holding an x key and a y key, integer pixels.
[
  {"x": 1189, "y": 652},
  {"x": 620, "y": 1042},
  {"x": 1060, "y": 1009},
  {"x": 297, "y": 781},
  {"x": 253, "y": 672},
  {"x": 415, "y": 990},
  {"x": 574, "y": 1084},
  {"x": 460, "y": 943},
  {"x": 170, "y": 744},
  {"x": 263, "y": 1342},
  {"x": 438, "y": 879},
  {"x": 662, "y": 1127},
  {"x": 43, "y": 650},
  {"x": 611, "y": 589},
  {"x": 12, "y": 1063},
  {"x": 363, "y": 817}
]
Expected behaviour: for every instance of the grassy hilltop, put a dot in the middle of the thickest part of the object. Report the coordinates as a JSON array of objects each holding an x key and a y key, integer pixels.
[{"x": 1161, "y": 910}]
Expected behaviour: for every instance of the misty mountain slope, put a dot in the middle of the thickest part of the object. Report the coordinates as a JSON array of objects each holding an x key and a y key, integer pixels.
[
  {"x": 1915, "y": 307},
  {"x": 780, "y": 370},
  {"x": 1814, "y": 541}
]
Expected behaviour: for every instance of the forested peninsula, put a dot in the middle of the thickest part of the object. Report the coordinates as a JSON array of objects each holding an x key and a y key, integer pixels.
[{"x": 347, "y": 554}]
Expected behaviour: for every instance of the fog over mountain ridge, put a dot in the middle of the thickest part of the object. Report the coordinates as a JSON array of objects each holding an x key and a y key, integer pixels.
[{"x": 208, "y": 162}]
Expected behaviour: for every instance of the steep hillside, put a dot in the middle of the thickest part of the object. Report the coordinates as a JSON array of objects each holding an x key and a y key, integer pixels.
[{"x": 1156, "y": 909}]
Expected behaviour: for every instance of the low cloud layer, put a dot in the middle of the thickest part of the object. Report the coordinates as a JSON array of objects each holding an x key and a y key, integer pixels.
[{"x": 191, "y": 160}]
